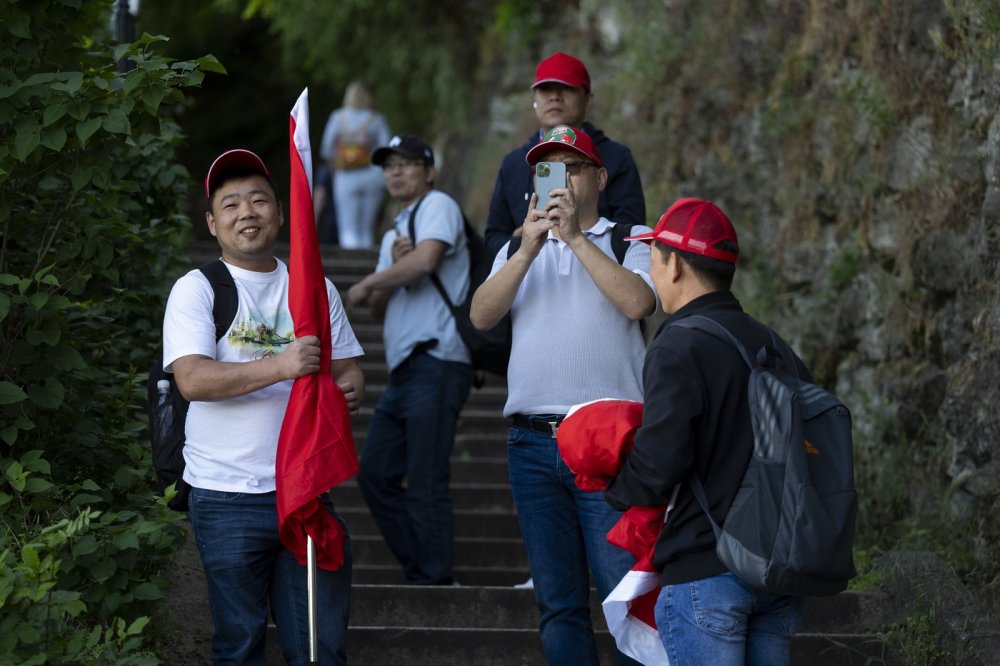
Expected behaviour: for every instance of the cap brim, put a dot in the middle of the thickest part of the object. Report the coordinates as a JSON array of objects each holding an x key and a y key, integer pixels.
[
  {"x": 234, "y": 159},
  {"x": 540, "y": 150},
  {"x": 551, "y": 79},
  {"x": 382, "y": 154},
  {"x": 647, "y": 237}
]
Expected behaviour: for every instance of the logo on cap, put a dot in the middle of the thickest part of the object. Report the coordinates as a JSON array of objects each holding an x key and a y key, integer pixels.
[{"x": 562, "y": 134}]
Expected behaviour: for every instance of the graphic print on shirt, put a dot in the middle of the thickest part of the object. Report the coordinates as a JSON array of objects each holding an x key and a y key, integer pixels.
[{"x": 257, "y": 335}]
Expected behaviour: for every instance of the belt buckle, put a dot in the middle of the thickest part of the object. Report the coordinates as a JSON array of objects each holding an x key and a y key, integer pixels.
[{"x": 553, "y": 426}]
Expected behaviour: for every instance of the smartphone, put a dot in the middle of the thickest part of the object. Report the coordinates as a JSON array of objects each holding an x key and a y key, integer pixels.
[{"x": 548, "y": 176}]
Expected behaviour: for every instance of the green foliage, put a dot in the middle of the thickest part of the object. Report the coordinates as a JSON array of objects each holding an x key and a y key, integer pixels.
[
  {"x": 423, "y": 84},
  {"x": 88, "y": 186},
  {"x": 975, "y": 34},
  {"x": 918, "y": 638},
  {"x": 845, "y": 268}
]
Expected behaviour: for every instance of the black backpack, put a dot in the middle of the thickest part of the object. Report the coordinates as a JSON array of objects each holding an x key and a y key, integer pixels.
[
  {"x": 167, "y": 408},
  {"x": 488, "y": 350},
  {"x": 790, "y": 529}
]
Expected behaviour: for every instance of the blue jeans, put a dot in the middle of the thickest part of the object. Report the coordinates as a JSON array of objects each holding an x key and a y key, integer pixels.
[
  {"x": 249, "y": 572},
  {"x": 411, "y": 437},
  {"x": 564, "y": 530},
  {"x": 721, "y": 620}
]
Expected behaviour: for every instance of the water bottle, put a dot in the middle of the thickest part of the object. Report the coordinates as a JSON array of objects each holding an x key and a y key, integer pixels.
[
  {"x": 163, "y": 388},
  {"x": 164, "y": 411}
]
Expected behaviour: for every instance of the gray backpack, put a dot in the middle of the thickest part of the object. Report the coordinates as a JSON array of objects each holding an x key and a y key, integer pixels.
[{"x": 790, "y": 529}]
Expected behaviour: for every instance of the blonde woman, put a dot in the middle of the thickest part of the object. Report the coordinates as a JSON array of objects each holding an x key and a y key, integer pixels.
[{"x": 351, "y": 133}]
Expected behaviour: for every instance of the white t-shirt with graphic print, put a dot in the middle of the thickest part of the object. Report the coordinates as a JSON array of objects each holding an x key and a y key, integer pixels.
[{"x": 231, "y": 445}]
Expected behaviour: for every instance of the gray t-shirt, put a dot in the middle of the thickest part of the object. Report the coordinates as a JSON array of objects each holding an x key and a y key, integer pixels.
[{"x": 417, "y": 313}]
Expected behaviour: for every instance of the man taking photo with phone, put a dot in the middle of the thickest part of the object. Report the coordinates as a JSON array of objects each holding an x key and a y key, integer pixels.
[{"x": 575, "y": 311}]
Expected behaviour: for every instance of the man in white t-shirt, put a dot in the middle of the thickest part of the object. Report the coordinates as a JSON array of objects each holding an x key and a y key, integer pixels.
[
  {"x": 239, "y": 388},
  {"x": 575, "y": 314},
  {"x": 413, "y": 429}
]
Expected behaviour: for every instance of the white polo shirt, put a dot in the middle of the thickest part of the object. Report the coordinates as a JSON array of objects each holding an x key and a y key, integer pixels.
[{"x": 570, "y": 344}]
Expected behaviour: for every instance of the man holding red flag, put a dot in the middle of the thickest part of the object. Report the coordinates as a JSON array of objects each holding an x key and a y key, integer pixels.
[{"x": 239, "y": 389}]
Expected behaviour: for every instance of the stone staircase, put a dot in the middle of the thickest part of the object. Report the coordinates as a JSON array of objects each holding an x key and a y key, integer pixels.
[{"x": 485, "y": 620}]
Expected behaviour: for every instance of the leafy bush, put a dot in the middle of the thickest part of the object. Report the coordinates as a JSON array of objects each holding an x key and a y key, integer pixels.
[{"x": 88, "y": 189}]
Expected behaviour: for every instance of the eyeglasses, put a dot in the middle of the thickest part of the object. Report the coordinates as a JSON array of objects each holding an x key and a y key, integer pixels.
[
  {"x": 574, "y": 168},
  {"x": 386, "y": 166}
]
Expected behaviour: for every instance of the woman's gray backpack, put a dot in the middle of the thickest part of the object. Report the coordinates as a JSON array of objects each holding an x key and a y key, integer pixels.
[{"x": 790, "y": 529}]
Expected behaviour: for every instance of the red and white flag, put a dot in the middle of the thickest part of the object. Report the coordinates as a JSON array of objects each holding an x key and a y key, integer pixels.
[
  {"x": 315, "y": 448},
  {"x": 594, "y": 440}
]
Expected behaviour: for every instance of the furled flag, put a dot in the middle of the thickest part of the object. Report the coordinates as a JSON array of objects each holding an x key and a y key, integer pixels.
[
  {"x": 594, "y": 440},
  {"x": 315, "y": 448}
]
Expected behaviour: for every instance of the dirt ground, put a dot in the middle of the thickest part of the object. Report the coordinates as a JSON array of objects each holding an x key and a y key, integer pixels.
[{"x": 182, "y": 625}]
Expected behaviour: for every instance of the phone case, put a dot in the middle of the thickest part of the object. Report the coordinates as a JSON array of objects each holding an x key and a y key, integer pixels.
[{"x": 548, "y": 176}]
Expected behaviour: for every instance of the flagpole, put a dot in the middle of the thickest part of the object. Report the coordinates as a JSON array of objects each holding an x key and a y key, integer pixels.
[{"x": 311, "y": 593}]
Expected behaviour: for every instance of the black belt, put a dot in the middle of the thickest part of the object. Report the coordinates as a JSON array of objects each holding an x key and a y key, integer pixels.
[{"x": 543, "y": 423}]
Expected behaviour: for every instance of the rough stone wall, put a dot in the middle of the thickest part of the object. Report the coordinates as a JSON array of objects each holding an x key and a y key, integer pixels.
[{"x": 860, "y": 162}]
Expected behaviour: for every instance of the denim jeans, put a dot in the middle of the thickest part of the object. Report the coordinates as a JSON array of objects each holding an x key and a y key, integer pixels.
[
  {"x": 249, "y": 572},
  {"x": 411, "y": 438},
  {"x": 721, "y": 620},
  {"x": 564, "y": 530}
]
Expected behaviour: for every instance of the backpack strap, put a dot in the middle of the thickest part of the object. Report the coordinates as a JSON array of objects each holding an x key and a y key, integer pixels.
[
  {"x": 618, "y": 243},
  {"x": 411, "y": 225},
  {"x": 515, "y": 242},
  {"x": 777, "y": 355},
  {"x": 226, "y": 301},
  {"x": 619, "y": 246},
  {"x": 716, "y": 330},
  {"x": 699, "y": 494}
]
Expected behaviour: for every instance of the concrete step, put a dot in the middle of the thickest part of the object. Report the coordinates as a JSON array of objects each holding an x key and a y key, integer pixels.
[
  {"x": 473, "y": 420},
  {"x": 470, "y": 552},
  {"x": 505, "y": 607},
  {"x": 470, "y": 470},
  {"x": 499, "y": 626},
  {"x": 416, "y": 646},
  {"x": 376, "y": 372},
  {"x": 482, "y": 524},
  {"x": 471, "y": 576},
  {"x": 469, "y": 496},
  {"x": 474, "y": 445},
  {"x": 487, "y": 399}
]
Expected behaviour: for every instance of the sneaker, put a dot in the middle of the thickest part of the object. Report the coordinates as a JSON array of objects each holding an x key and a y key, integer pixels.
[{"x": 526, "y": 585}]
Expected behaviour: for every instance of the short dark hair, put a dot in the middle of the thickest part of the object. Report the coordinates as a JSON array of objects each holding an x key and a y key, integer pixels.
[
  {"x": 236, "y": 173},
  {"x": 715, "y": 273}
]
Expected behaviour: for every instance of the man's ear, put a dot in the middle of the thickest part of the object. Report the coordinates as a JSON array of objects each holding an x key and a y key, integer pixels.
[
  {"x": 602, "y": 179},
  {"x": 210, "y": 220},
  {"x": 676, "y": 267}
]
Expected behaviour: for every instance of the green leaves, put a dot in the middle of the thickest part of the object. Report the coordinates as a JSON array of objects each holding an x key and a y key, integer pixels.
[
  {"x": 89, "y": 158},
  {"x": 10, "y": 393},
  {"x": 27, "y": 135},
  {"x": 86, "y": 128}
]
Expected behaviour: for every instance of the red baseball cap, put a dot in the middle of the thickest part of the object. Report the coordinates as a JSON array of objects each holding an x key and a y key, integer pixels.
[
  {"x": 564, "y": 69},
  {"x": 562, "y": 137},
  {"x": 695, "y": 226},
  {"x": 238, "y": 158}
]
